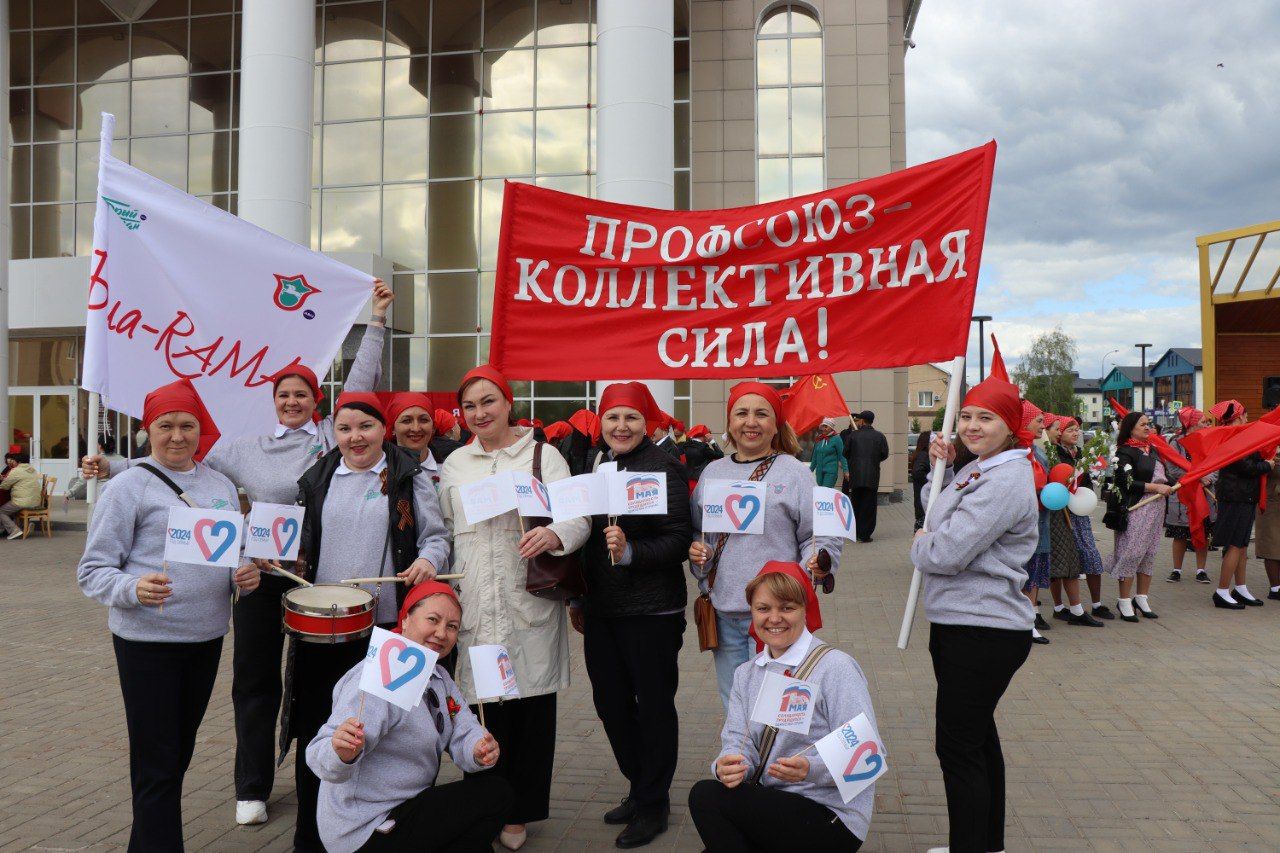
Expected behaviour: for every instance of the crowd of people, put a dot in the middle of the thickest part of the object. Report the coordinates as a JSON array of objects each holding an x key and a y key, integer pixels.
[{"x": 381, "y": 482}]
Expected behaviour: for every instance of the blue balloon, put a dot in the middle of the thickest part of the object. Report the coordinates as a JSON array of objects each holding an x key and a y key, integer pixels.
[{"x": 1054, "y": 496}]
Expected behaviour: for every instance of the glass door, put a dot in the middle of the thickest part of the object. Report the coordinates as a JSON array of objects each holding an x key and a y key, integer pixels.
[{"x": 45, "y": 424}]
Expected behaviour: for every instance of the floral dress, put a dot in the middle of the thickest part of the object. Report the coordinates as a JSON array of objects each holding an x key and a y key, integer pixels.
[{"x": 1136, "y": 547}]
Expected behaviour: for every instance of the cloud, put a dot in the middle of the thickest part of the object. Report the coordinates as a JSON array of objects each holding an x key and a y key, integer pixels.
[{"x": 1121, "y": 140}]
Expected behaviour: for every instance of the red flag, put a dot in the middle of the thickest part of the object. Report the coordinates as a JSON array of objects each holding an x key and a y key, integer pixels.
[
  {"x": 1163, "y": 448},
  {"x": 1221, "y": 446},
  {"x": 998, "y": 370},
  {"x": 811, "y": 399}
]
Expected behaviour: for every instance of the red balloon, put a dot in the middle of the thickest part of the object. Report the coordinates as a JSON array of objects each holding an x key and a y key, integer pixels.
[{"x": 1062, "y": 473}]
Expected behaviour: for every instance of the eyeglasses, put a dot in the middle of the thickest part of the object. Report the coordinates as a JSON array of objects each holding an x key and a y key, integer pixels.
[{"x": 433, "y": 704}]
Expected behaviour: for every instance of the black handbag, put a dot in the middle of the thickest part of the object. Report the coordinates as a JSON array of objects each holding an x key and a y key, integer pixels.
[{"x": 548, "y": 576}]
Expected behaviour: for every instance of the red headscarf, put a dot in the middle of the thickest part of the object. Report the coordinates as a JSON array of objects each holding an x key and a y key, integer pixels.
[
  {"x": 1029, "y": 412},
  {"x": 1226, "y": 411},
  {"x": 486, "y": 371},
  {"x": 678, "y": 426},
  {"x": 445, "y": 421},
  {"x": 524, "y": 422},
  {"x": 587, "y": 423},
  {"x": 770, "y": 394},
  {"x": 812, "y": 612},
  {"x": 1189, "y": 416},
  {"x": 633, "y": 395},
  {"x": 557, "y": 430},
  {"x": 999, "y": 397},
  {"x": 419, "y": 591},
  {"x": 698, "y": 431},
  {"x": 404, "y": 400},
  {"x": 307, "y": 375},
  {"x": 369, "y": 398},
  {"x": 182, "y": 396}
]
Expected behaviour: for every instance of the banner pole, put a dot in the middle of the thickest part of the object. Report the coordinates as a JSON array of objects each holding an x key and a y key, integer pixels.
[
  {"x": 935, "y": 488},
  {"x": 105, "y": 134}
]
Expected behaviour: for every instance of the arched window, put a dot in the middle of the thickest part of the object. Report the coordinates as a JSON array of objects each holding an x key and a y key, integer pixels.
[{"x": 789, "y": 113}]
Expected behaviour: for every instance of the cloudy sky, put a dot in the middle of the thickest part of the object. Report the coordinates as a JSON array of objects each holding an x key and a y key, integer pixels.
[{"x": 1121, "y": 140}]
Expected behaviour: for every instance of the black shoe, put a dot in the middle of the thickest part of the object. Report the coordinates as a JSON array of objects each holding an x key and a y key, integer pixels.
[
  {"x": 623, "y": 812},
  {"x": 1084, "y": 619},
  {"x": 1148, "y": 613},
  {"x": 1219, "y": 601},
  {"x": 1133, "y": 618},
  {"x": 1274, "y": 595},
  {"x": 1202, "y": 577},
  {"x": 642, "y": 830},
  {"x": 1174, "y": 576},
  {"x": 1040, "y": 641},
  {"x": 1064, "y": 614},
  {"x": 1247, "y": 602},
  {"x": 1041, "y": 625},
  {"x": 1103, "y": 612}
]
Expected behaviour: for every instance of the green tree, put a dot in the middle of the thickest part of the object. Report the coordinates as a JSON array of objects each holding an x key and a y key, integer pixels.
[
  {"x": 1046, "y": 373},
  {"x": 915, "y": 425},
  {"x": 937, "y": 420}
]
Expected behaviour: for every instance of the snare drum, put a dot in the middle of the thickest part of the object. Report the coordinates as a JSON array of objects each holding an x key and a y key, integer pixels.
[{"x": 328, "y": 613}]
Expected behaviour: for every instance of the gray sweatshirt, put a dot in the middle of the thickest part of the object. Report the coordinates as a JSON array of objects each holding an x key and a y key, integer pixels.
[
  {"x": 126, "y": 541},
  {"x": 842, "y": 695},
  {"x": 268, "y": 467},
  {"x": 788, "y": 529},
  {"x": 982, "y": 533},
  {"x": 400, "y": 759},
  {"x": 353, "y": 534}
]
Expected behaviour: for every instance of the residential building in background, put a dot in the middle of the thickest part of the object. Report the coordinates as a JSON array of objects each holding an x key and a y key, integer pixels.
[{"x": 926, "y": 393}]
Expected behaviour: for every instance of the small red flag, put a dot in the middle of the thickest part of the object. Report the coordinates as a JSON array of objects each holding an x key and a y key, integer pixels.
[{"x": 811, "y": 399}]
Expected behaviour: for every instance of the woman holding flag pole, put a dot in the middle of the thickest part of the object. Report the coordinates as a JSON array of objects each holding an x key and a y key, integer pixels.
[
  {"x": 267, "y": 468},
  {"x": 167, "y": 660},
  {"x": 1139, "y": 473},
  {"x": 632, "y": 618},
  {"x": 764, "y": 448}
]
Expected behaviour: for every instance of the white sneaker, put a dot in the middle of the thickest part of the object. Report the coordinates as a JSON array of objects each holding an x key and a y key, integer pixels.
[
  {"x": 249, "y": 812},
  {"x": 15, "y": 534}
]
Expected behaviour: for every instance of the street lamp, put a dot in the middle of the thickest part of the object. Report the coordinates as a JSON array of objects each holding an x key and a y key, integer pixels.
[
  {"x": 982, "y": 340},
  {"x": 1143, "y": 383}
]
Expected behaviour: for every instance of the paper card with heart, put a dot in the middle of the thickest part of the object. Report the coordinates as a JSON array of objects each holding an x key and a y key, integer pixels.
[
  {"x": 855, "y": 755},
  {"x": 832, "y": 513},
  {"x": 204, "y": 537},
  {"x": 396, "y": 669},
  {"x": 274, "y": 531},
  {"x": 730, "y": 506},
  {"x": 493, "y": 673}
]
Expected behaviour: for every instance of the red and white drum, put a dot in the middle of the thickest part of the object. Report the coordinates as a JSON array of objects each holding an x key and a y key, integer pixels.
[{"x": 328, "y": 613}]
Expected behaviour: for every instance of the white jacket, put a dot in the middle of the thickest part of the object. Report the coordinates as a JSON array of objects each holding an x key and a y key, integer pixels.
[{"x": 495, "y": 606}]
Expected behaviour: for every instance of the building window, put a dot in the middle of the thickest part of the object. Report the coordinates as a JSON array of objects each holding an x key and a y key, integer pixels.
[
  {"x": 925, "y": 400},
  {"x": 790, "y": 137}
]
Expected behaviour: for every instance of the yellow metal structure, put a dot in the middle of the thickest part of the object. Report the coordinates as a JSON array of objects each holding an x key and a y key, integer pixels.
[{"x": 1211, "y": 294}]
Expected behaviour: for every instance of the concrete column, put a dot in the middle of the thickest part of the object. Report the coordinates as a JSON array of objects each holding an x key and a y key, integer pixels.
[
  {"x": 6, "y": 430},
  {"x": 277, "y": 63},
  {"x": 635, "y": 148}
]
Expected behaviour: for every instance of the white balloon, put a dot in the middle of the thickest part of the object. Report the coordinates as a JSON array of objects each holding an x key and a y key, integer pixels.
[{"x": 1083, "y": 501}]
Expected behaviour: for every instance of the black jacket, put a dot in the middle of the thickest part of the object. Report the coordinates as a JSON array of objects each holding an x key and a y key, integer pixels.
[
  {"x": 1241, "y": 481},
  {"x": 669, "y": 446},
  {"x": 1143, "y": 467},
  {"x": 441, "y": 446},
  {"x": 698, "y": 455},
  {"x": 865, "y": 448},
  {"x": 1071, "y": 455},
  {"x": 653, "y": 582}
]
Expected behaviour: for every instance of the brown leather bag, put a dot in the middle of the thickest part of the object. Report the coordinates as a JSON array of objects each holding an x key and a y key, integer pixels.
[{"x": 548, "y": 576}]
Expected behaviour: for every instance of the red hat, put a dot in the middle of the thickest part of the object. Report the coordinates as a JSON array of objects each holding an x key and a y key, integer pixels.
[
  {"x": 486, "y": 371},
  {"x": 419, "y": 591},
  {"x": 307, "y": 375},
  {"x": 678, "y": 426},
  {"x": 633, "y": 395},
  {"x": 558, "y": 430},
  {"x": 182, "y": 396},
  {"x": 537, "y": 422},
  {"x": 698, "y": 431},
  {"x": 770, "y": 394},
  {"x": 812, "y": 612},
  {"x": 1226, "y": 411},
  {"x": 1029, "y": 413},
  {"x": 1189, "y": 416},
  {"x": 405, "y": 400},
  {"x": 999, "y": 397},
  {"x": 370, "y": 399},
  {"x": 586, "y": 422},
  {"x": 524, "y": 422},
  {"x": 445, "y": 421},
  {"x": 1050, "y": 419}
]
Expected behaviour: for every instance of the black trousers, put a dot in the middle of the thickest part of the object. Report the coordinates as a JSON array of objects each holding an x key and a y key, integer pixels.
[
  {"x": 166, "y": 689},
  {"x": 916, "y": 488},
  {"x": 526, "y": 732},
  {"x": 464, "y": 816},
  {"x": 316, "y": 669},
  {"x": 973, "y": 666},
  {"x": 256, "y": 686},
  {"x": 864, "y": 500},
  {"x": 754, "y": 817},
  {"x": 632, "y": 663}
]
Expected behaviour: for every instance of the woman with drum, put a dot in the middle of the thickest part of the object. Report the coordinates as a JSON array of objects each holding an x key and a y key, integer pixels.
[
  {"x": 764, "y": 448},
  {"x": 378, "y": 763},
  {"x": 167, "y": 658},
  {"x": 370, "y": 511},
  {"x": 493, "y": 557},
  {"x": 267, "y": 467}
]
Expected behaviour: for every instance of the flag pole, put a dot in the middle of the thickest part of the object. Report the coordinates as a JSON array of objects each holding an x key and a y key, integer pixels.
[
  {"x": 95, "y": 400},
  {"x": 935, "y": 488}
]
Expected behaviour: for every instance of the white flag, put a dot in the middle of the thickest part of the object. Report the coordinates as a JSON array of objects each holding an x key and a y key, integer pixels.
[
  {"x": 396, "y": 669},
  {"x": 785, "y": 703},
  {"x": 209, "y": 537},
  {"x": 637, "y": 492},
  {"x": 733, "y": 507},
  {"x": 487, "y": 498},
  {"x": 274, "y": 531},
  {"x": 855, "y": 756},
  {"x": 179, "y": 288},
  {"x": 574, "y": 497},
  {"x": 492, "y": 673},
  {"x": 832, "y": 513},
  {"x": 532, "y": 498}
]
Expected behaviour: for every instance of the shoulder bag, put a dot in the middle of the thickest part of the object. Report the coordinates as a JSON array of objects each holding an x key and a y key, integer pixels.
[{"x": 546, "y": 575}]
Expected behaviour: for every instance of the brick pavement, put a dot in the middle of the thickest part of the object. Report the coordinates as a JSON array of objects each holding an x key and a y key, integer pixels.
[{"x": 1156, "y": 736}]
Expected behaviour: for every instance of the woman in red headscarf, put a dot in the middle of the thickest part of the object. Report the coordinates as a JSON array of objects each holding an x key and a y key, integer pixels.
[
  {"x": 1176, "y": 524},
  {"x": 267, "y": 468},
  {"x": 1039, "y": 567},
  {"x": 1138, "y": 472},
  {"x": 769, "y": 791},
  {"x": 414, "y": 427},
  {"x": 632, "y": 617},
  {"x": 764, "y": 450},
  {"x": 167, "y": 659},
  {"x": 1239, "y": 488},
  {"x": 980, "y": 535},
  {"x": 378, "y": 763}
]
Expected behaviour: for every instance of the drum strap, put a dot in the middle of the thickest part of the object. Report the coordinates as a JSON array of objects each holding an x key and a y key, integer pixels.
[{"x": 164, "y": 478}]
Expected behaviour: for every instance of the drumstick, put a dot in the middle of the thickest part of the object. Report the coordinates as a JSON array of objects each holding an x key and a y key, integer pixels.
[
  {"x": 275, "y": 567},
  {"x": 1154, "y": 497},
  {"x": 393, "y": 579}
]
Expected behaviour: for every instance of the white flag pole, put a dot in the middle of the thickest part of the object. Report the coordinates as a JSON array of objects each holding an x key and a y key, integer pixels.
[
  {"x": 95, "y": 402},
  {"x": 935, "y": 488}
]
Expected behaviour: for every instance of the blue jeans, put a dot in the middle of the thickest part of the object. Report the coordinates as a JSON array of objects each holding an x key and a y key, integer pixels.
[{"x": 735, "y": 649}]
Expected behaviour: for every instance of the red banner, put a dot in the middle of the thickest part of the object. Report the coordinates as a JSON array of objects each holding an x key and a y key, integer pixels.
[{"x": 880, "y": 273}]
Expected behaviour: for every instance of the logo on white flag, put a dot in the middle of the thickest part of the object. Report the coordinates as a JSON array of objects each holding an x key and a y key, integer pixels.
[
  {"x": 129, "y": 217},
  {"x": 292, "y": 291},
  {"x": 854, "y": 755},
  {"x": 397, "y": 669},
  {"x": 785, "y": 703}
]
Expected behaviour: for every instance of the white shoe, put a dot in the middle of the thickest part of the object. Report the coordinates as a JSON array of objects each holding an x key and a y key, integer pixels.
[
  {"x": 939, "y": 850},
  {"x": 17, "y": 534},
  {"x": 513, "y": 840},
  {"x": 249, "y": 812}
]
